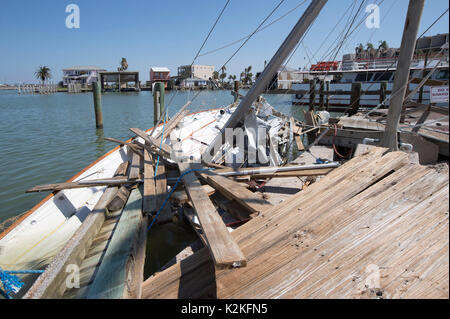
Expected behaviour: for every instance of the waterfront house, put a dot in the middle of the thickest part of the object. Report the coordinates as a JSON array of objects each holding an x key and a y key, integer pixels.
[
  {"x": 85, "y": 75},
  {"x": 159, "y": 74},
  {"x": 204, "y": 72}
]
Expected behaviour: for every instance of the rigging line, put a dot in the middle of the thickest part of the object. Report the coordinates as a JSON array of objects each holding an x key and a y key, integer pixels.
[
  {"x": 332, "y": 47},
  {"x": 344, "y": 38},
  {"x": 357, "y": 26},
  {"x": 389, "y": 66},
  {"x": 270, "y": 14},
  {"x": 334, "y": 28},
  {"x": 435, "y": 21},
  {"x": 247, "y": 36},
  {"x": 347, "y": 33},
  {"x": 210, "y": 31},
  {"x": 345, "y": 27}
]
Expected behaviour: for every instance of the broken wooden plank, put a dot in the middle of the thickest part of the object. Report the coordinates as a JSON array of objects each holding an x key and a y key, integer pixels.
[
  {"x": 311, "y": 172},
  {"x": 161, "y": 193},
  {"x": 166, "y": 149},
  {"x": 231, "y": 206},
  {"x": 233, "y": 190},
  {"x": 224, "y": 250},
  {"x": 115, "y": 140},
  {"x": 119, "y": 199},
  {"x": 113, "y": 181},
  {"x": 173, "y": 122},
  {"x": 122, "y": 169},
  {"x": 299, "y": 142},
  {"x": 149, "y": 200},
  {"x": 296, "y": 170},
  {"x": 135, "y": 166},
  {"x": 116, "y": 273},
  {"x": 181, "y": 197}
]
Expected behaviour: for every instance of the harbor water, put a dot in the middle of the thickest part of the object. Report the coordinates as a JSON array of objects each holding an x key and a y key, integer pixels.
[{"x": 49, "y": 138}]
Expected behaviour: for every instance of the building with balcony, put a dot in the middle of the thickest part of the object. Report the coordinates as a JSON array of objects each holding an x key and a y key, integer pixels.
[
  {"x": 159, "y": 74},
  {"x": 84, "y": 75}
]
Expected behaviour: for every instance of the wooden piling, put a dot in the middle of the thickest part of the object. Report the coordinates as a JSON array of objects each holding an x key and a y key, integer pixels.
[
  {"x": 158, "y": 101},
  {"x": 321, "y": 95},
  {"x": 97, "y": 105},
  {"x": 383, "y": 89},
  {"x": 327, "y": 101},
  {"x": 355, "y": 97},
  {"x": 312, "y": 94}
]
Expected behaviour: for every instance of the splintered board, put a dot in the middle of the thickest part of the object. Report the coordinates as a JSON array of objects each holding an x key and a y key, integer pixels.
[
  {"x": 149, "y": 199},
  {"x": 224, "y": 250}
]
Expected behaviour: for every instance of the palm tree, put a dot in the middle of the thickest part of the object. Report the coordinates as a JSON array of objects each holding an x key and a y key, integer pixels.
[
  {"x": 359, "y": 49},
  {"x": 123, "y": 65},
  {"x": 370, "y": 49},
  {"x": 215, "y": 75},
  {"x": 249, "y": 78},
  {"x": 223, "y": 75},
  {"x": 43, "y": 73},
  {"x": 383, "y": 46},
  {"x": 247, "y": 75}
]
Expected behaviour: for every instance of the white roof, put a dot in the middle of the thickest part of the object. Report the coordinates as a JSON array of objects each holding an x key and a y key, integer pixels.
[
  {"x": 159, "y": 69},
  {"x": 84, "y": 68}
]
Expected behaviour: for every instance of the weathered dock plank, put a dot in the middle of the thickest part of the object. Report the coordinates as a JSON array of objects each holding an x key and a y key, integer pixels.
[
  {"x": 373, "y": 210},
  {"x": 224, "y": 250}
]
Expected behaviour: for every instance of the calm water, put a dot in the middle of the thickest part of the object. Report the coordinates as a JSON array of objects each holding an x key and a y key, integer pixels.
[{"x": 49, "y": 138}]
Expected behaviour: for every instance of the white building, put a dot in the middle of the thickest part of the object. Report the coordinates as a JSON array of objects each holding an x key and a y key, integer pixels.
[
  {"x": 193, "y": 82},
  {"x": 81, "y": 74},
  {"x": 204, "y": 72},
  {"x": 287, "y": 76}
]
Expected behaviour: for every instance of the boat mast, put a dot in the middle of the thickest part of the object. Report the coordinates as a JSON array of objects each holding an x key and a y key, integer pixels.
[{"x": 272, "y": 68}]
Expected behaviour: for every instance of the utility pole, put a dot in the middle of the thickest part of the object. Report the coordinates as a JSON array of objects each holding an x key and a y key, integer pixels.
[{"x": 408, "y": 45}]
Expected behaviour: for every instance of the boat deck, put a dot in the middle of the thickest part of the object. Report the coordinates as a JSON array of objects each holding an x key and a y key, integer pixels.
[{"x": 376, "y": 227}]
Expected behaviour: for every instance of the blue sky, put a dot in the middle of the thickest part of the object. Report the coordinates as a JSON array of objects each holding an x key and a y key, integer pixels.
[{"x": 169, "y": 33}]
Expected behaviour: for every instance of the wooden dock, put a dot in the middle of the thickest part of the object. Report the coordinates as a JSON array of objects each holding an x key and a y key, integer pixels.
[{"x": 376, "y": 227}]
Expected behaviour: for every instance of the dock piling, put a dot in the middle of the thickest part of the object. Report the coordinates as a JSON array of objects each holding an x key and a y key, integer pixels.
[
  {"x": 355, "y": 97},
  {"x": 96, "y": 89},
  {"x": 321, "y": 95},
  {"x": 158, "y": 101},
  {"x": 312, "y": 94}
]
